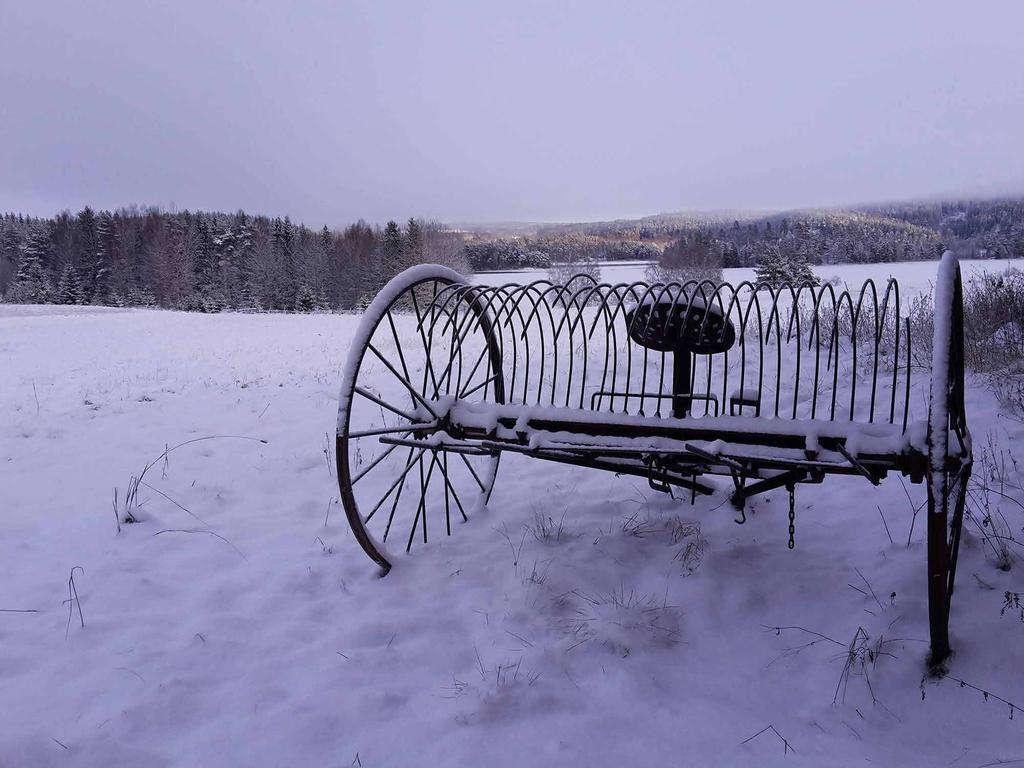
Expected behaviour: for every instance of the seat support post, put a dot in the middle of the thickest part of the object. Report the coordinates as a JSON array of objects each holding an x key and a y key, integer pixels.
[{"x": 681, "y": 362}]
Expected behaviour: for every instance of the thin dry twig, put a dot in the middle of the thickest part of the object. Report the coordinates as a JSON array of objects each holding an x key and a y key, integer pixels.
[
  {"x": 786, "y": 746},
  {"x": 73, "y": 600},
  {"x": 210, "y": 533}
]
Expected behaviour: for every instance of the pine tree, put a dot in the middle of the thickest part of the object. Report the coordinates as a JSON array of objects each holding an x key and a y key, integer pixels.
[
  {"x": 69, "y": 287},
  {"x": 10, "y": 248},
  {"x": 85, "y": 249},
  {"x": 305, "y": 300},
  {"x": 205, "y": 267},
  {"x": 31, "y": 284},
  {"x": 286, "y": 289},
  {"x": 413, "y": 245},
  {"x": 771, "y": 268},
  {"x": 391, "y": 257},
  {"x": 801, "y": 272},
  {"x": 102, "y": 262}
]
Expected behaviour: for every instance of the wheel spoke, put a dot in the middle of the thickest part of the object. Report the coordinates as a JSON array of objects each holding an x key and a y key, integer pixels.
[
  {"x": 373, "y": 464},
  {"x": 383, "y": 404},
  {"x": 409, "y": 462},
  {"x": 410, "y": 387},
  {"x": 392, "y": 430},
  {"x": 458, "y": 501},
  {"x": 484, "y": 383},
  {"x": 473, "y": 472},
  {"x": 398, "y": 345},
  {"x": 421, "y": 508}
]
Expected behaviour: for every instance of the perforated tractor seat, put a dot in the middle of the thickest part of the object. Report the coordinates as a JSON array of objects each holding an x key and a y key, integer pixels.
[{"x": 668, "y": 325}]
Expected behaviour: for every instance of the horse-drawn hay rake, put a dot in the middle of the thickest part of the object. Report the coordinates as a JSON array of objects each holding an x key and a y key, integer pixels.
[{"x": 768, "y": 387}]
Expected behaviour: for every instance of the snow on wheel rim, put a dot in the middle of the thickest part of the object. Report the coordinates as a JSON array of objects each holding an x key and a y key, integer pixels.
[{"x": 411, "y": 356}]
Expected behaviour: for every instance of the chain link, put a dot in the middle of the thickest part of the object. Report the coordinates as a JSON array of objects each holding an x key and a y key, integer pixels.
[{"x": 792, "y": 517}]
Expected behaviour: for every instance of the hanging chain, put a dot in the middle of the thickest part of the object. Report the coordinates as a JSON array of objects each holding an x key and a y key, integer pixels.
[{"x": 792, "y": 516}]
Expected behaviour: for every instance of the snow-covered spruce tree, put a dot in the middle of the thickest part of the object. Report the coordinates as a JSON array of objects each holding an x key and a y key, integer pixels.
[
  {"x": 801, "y": 272},
  {"x": 392, "y": 256},
  {"x": 69, "y": 287},
  {"x": 102, "y": 260},
  {"x": 305, "y": 299},
  {"x": 10, "y": 249},
  {"x": 285, "y": 283},
  {"x": 85, "y": 248},
  {"x": 31, "y": 283},
  {"x": 412, "y": 247},
  {"x": 771, "y": 269}
]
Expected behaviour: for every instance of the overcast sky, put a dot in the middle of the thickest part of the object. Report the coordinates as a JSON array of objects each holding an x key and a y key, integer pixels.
[{"x": 476, "y": 111}]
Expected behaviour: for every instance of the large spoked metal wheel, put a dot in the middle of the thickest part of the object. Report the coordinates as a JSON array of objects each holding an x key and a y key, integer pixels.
[
  {"x": 949, "y": 454},
  {"x": 426, "y": 339}
]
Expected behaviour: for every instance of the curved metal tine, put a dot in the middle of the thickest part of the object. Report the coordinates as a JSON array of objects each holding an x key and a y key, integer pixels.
[
  {"x": 467, "y": 301},
  {"x": 428, "y": 363},
  {"x": 906, "y": 396},
  {"x": 383, "y": 404},
  {"x": 611, "y": 338},
  {"x": 794, "y": 320},
  {"x": 855, "y": 320},
  {"x": 778, "y": 341},
  {"x": 428, "y": 340},
  {"x": 709, "y": 361},
  {"x": 470, "y": 321},
  {"x": 893, "y": 287},
  {"x": 460, "y": 331},
  {"x": 412, "y": 390},
  {"x": 523, "y": 293},
  {"x": 540, "y": 299},
  {"x": 577, "y": 317},
  {"x": 572, "y": 306},
  {"x": 506, "y": 292},
  {"x": 834, "y": 348},
  {"x": 576, "y": 307},
  {"x": 661, "y": 289},
  {"x": 815, "y": 332},
  {"x": 741, "y": 334},
  {"x": 869, "y": 283}
]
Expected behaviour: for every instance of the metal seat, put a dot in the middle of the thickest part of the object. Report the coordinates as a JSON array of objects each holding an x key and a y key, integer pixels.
[{"x": 675, "y": 322}]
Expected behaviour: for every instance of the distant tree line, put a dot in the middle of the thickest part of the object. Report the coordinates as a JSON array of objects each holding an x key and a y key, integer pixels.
[
  {"x": 484, "y": 253},
  {"x": 905, "y": 232},
  {"x": 208, "y": 261},
  {"x": 214, "y": 261}
]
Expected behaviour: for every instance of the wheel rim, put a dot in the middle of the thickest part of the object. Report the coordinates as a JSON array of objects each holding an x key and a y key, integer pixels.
[{"x": 431, "y": 342}]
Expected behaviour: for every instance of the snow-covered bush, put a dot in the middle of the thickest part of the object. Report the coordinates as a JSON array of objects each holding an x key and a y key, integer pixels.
[
  {"x": 690, "y": 258},
  {"x": 575, "y": 275},
  {"x": 993, "y": 333}
]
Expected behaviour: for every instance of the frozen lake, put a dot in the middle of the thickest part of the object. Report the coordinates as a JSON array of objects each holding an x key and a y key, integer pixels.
[{"x": 913, "y": 276}]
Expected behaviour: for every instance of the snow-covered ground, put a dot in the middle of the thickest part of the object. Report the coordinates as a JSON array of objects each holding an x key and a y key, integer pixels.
[{"x": 239, "y": 623}]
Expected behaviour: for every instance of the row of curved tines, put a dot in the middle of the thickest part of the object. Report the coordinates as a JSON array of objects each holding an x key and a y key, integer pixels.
[{"x": 544, "y": 336}]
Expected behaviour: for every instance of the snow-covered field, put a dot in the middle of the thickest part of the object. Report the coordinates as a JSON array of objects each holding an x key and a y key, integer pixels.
[{"x": 239, "y": 623}]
